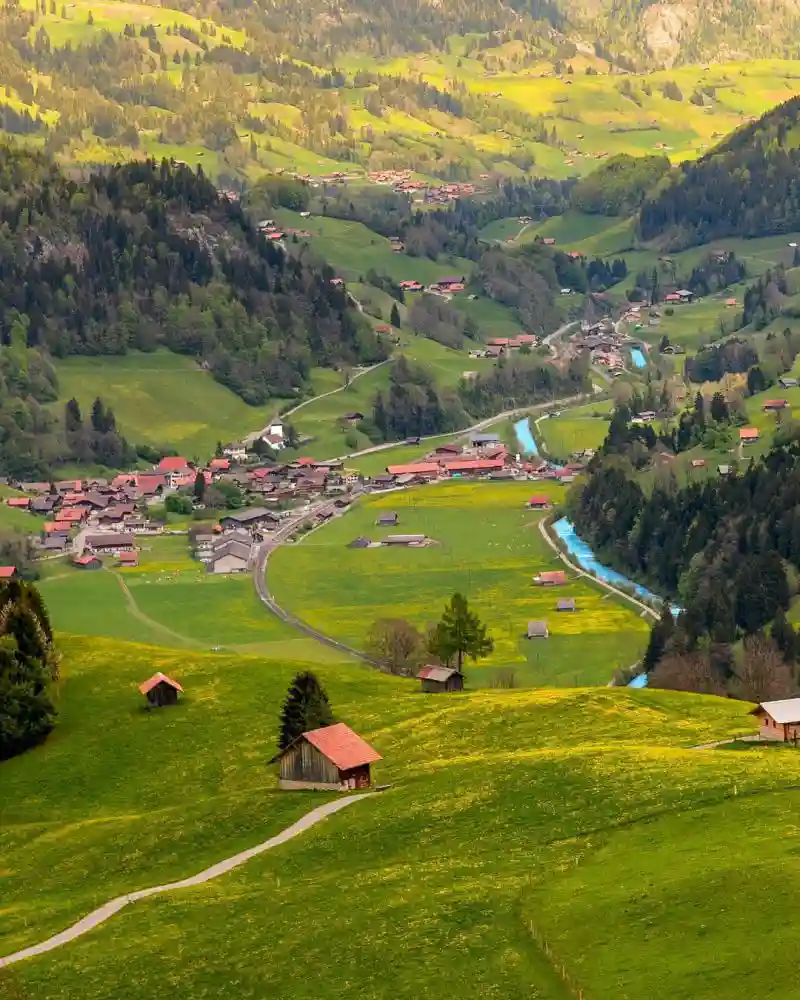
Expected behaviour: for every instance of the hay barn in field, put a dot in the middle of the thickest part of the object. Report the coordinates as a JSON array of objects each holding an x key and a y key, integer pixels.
[{"x": 333, "y": 758}]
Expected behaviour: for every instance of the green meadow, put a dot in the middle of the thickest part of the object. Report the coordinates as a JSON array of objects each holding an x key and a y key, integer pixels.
[
  {"x": 487, "y": 545},
  {"x": 546, "y": 843},
  {"x": 162, "y": 399},
  {"x": 575, "y": 429},
  {"x": 170, "y": 600}
]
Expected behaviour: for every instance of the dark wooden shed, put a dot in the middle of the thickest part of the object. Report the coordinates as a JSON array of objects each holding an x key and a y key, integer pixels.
[
  {"x": 160, "y": 690},
  {"x": 436, "y": 679},
  {"x": 333, "y": 758}
]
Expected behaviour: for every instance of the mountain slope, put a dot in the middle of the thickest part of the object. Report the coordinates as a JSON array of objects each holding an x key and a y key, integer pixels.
[{"x": 748, "y": 186}]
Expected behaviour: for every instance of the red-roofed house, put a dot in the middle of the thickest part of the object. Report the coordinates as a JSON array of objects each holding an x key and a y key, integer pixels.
[
  {"x": 87, "y": 562},
  {"x": 219, "y": 464},
  {"x": 149, "y": 485},
  {"x": 20, "y": 502},
  {"x": 552, "y": 578},
  {"x": 429, "y": 469},
  {"x": 333, "y": 758},
  {"x": 160, "y": 690},
  {"x": 173, "y": 464},
  {"x": 128, "y": 558},
  {"x": 304, "y": 461},
  {"x": 748, "y": 435},
  {"x": 8, "y": 572},
  {"x": 539, "y": 503},
  {"x": 775, "y": 404},
  {"x": 475, "y": 465}
]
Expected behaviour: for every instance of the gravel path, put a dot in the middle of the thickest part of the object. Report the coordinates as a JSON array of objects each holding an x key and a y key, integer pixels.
[{"x": 102, "y": 913}]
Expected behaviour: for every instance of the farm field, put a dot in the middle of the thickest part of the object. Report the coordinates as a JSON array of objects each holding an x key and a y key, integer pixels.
[
  {"x": 170, "y": 600},
  {"x": 575, "y": 429},
  {"x": 489, "y": 547},
  {"x": 599, "y": 821},
  {"x": 162, "y": 399}
]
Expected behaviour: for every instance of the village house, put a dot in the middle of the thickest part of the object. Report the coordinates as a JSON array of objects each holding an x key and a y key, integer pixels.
[
  {"x": 87, "y": 562},
  {"x": 780, "y": 720},
  {"x": 539, "y": 503},
  {"x": 128, "y": 559},
  {"x": 772, "y": 405},
  {"x": 230, "y": 557},
  {"x": 236, "y": 451},
  {"x": 412, "y": 541},
  {"x": 438, "y": 679},
  {"x": 333, "y": 758},
  {"x": 748, "y": 435},
  {"x": 387, "y": 520},
  {"x": 566, "y": 604},
  {"x": 481, "y": 440},
  {"x": 111, "y": 543},
  {"x": 551, "y": 578},
  {"x": 257, "y": 517},
  {"x": 160, "y": 690}
]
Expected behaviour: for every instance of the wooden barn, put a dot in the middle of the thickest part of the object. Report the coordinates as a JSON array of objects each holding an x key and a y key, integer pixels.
[
  {"x": 160, "y": 690},
  {"x": 780, "y": 720},
  {"x": 436, "y": 679},
  {"x": 333, "y": 758}
]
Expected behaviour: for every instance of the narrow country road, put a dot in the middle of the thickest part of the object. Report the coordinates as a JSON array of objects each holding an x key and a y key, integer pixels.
[
  {"x": 263, "y": 553},
  {"x": 644, "y": 608},
  {"x": 103, "y": 913},
  {"x": 323, "y": 395}
]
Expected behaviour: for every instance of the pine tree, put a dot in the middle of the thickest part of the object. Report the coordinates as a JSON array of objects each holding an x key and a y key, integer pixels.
[
  {"x": 660, "y": 634},
  {"x": 394, "y": 318},
  {"x": 199, "y": 486},
  {"x": 785, "y": 637},
  {"x": 306, "y": 707},
  {"x": 73, "y": 421},
  {"x": 460, "y": 633}
]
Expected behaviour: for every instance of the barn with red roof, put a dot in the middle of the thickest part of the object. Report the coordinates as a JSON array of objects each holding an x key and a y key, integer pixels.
[
  {"x": 160, "y": 690},
  {"x": 333, "y": 758}
]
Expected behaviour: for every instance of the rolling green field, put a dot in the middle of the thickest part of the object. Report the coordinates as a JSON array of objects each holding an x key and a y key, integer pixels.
[
  {"x": 575, "y": 429},
  {"x": 489, "y": 547},
  {"x": 170, "y": 600},
  {"x": 162, "y": 399},
  {"x": 573, "y": 842}
]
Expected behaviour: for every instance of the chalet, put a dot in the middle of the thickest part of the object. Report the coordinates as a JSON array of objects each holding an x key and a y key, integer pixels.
[
  {"x": 788, "y": 383},
  {"x": 552, "y": 578},
  {"x": 450, "y": 282},
  {"x": 231, "y": 557},
  {"x": 55, "y": 544},
  {"x": 437, "y": 679},
  {"x": 780, "y": 720},
  {"x": 415, "y": 541},
  {"x": 111, "y": 543},
  {"x": 353, "y": 418},
  {"x": 724, "y": 470},
  {"x": 129, "y": 559},
  {"x": 748, "y": 435},
  {"x": 538, "y": 630},
  {"x": 42, "y": 505},
  {"x": 539, "y": 503},
  {"x": 448, "y": 449},
  {"x": 172, "y": 464},
  {"x": 19, "y": 503},
  {"x": 251, "y": 519},
  {"x": 387, "y": 520},
  {"x": 548, "y": 241},
  {"x": 698, "y": 463},
  {"x": 473, "y": 466},
  {"x": 8, "y": 572},
  {"x": 646, "y": 416},
  {"x": 333, "y": 758},
  {"x": 236, "y": 451},
  {"x": 771, "y": 405},
  {"x": 566, "y": 604},
  {"x": 672, "y": 297},
  {"x": 160, "y": 690},
  {"x": 479, "y": 440},
  {"x": 87, "y": 562}
]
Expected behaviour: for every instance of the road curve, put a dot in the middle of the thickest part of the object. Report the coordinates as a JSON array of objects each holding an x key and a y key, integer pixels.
[
  {"x": 265, "y": 550},
  {"x": 103, "y": 913}
]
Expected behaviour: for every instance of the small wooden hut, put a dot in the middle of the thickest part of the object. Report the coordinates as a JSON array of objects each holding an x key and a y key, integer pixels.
[
  {"x": 333, "y": 758},
  {"x": 160, "y": 690},
  {"x": 435, "y": 679},
  {"x": 538, "y": 630}
]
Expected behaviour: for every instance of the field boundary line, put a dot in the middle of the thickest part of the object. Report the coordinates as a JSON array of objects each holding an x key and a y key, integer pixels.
[{"x": 107, "y": 910}]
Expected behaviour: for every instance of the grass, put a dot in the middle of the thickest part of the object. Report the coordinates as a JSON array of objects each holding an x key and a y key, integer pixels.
[
  {"x": 568, "y": 835},
  {"x": 162, "y": 399},
  {"x": 489, "y": 547},
  {"x": 170, "y": 600},
  {"x": 575, "y": 430}
]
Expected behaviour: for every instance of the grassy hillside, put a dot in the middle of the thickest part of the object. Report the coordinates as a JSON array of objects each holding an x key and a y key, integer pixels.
[
  {"x": 489, "y": 547},
  {"x": 162, "y": 399},
  {"x": 568, "y": 835}
]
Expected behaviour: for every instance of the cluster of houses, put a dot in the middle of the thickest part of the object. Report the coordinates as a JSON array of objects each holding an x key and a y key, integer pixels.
[
  {"x": 604, "y": 345},
  {"x": 402, "y": 182},
  {"x": 500, "y": 347}
]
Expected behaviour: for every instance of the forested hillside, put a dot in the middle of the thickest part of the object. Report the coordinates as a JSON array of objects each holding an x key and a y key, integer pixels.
[
  {"x": 748, "y": 186},
  {"x": 148, "y": 256}
]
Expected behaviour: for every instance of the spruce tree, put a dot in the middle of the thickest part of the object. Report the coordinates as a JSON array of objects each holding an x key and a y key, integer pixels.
[
  {"x": 306, "y": 707},
  {"x": 460, "y": 633},
  {"x": 660, "y": 634},
  {"x": 394, "y": 318},
  {"x": 199, "y": 486}
]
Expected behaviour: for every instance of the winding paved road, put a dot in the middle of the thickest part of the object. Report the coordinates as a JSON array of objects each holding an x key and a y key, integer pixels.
[{"x": 103, "y": 913}]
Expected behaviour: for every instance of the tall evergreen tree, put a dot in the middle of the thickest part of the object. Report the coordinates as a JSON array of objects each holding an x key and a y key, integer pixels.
[
  {"x": 306, "y": 707},
  {"x": 460, "y": 633},
  {"x": 660, "y": 634},
  {"x": 73, "y": 421},
  {"x": 199, "y": 486},
  {"x": 394, "y": 318}
]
